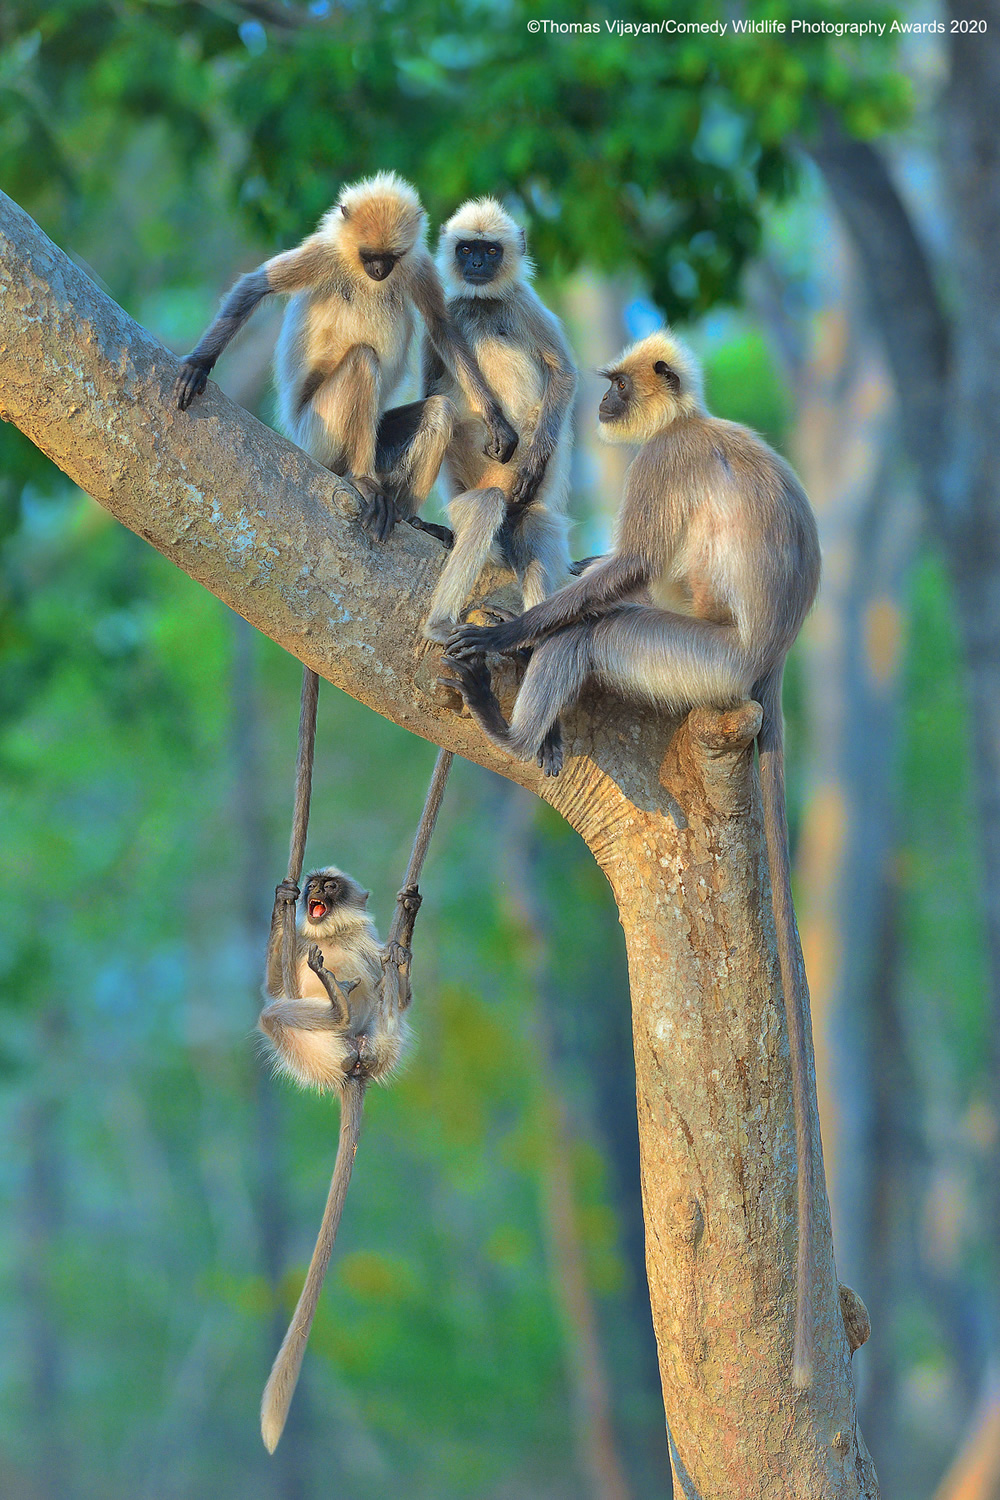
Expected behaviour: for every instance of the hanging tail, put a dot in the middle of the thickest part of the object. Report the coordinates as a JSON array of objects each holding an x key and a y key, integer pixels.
[
  {"x": 285, "y": 1371},
  {"x": 770, "y": 745}
]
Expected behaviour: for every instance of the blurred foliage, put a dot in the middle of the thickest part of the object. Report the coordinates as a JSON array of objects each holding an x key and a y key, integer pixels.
[{"x": 653, "y": 153}]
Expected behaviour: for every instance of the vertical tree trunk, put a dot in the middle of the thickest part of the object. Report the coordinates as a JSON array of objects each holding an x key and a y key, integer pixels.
[{"x": 712, "y": 1065}]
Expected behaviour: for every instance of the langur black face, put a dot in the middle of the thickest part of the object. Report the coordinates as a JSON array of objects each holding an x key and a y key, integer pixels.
[
  {"x": 618, "y": 398},
  {"x": 378, "y": 264},
  {"x": 324, "y": 893},
  {"x": 478, "y": 261}
]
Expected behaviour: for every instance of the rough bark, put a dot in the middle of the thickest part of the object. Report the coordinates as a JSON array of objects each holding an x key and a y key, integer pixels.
[{"x": 670, "y": 812}]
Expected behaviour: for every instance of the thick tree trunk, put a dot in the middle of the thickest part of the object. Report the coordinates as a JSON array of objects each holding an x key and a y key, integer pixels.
[{"x": 672, "y": 815}]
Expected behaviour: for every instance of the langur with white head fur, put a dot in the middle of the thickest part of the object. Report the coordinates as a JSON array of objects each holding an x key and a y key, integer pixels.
[
  {"x": 513, "y": 511},
  {"x": 715, "y": 566},
  {"x": 355, "y": 286},
  {"x": 338, "y": 1034}
]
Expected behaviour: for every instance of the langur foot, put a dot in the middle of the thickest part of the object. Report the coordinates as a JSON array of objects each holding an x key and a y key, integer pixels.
[
  {"x": 378, "y": 510},
  {"x": 471, "y": 678},
  {"x": 437, "y": 628},
  {"x": 550, "y": 751},
  {"x": 399, "y": 956},
  {"x": 443, "y": 533}
]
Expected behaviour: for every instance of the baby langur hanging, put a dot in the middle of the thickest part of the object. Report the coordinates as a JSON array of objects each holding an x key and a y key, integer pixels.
[{"x": 336, "y": 1019}]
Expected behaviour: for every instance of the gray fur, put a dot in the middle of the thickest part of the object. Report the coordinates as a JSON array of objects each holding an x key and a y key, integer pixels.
[
  {"x": 717, "y": 530},
  {"x": 523, "y": 351},
  {"x": 344, "y": 348}
]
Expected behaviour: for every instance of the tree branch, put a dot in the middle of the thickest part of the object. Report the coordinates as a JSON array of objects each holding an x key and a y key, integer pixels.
[{"x": 256, "y": 521}]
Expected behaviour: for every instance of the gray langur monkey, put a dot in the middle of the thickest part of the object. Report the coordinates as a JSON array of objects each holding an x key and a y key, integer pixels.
[
  {"x": 344, "y": 347},
  {"x": 339, "y": 1034},
  {"x": 515, "y": 510},
  {"x": 716, "y": 531}
]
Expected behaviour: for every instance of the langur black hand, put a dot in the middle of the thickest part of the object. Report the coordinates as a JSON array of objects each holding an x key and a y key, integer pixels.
[
  {"x": 468, "y": 641},
  {"x": 502, "y": 439},
  {"x": 378, "y": 513},
  {"x": 191, "y": 381},
  {"x": 410, "y": 899},
  {"x": 529, "y": 479},
  {"x": 287, "y": 893}
]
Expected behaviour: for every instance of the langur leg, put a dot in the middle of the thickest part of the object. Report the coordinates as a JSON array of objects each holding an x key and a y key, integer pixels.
[
  {"x": 672, "y": 660},
  {"x": 535, "y": 546},
  {"x": 412, "y": 442},
  {"x": 285, "y": 895},
  {"x": 301, "y": 1015},
  {"x": 337, "y": 423},
  {"x": 477, "y": 517}
]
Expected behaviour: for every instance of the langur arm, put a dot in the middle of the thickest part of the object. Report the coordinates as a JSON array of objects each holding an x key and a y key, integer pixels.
[
  {"x": 398, "y": 950},
  {"x": 338, "y": 993},
  {"x": 432, "y": 370},
  {"x": 292, "y": 271},
  {"x": 560, "y": 389},
  {"x": 286, "y": 894},
  {"x": 452, "y": 349},
  {"x": 605, "y": 585}
]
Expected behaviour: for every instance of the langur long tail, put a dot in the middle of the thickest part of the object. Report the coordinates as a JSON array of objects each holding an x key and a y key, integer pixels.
[
  {"x": 284, "y": 1374},
  {"x": 770, "y": 745}
]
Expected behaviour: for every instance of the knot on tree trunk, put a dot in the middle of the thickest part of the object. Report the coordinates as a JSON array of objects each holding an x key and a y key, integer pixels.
[{"x": 711, "y": 758}]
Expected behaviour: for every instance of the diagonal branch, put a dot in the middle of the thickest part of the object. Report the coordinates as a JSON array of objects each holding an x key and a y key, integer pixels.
[{"x": 241, "y": 510}]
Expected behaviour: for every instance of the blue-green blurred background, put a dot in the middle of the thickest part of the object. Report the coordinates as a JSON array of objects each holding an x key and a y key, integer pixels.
[{"x": 485, "y": 1329}]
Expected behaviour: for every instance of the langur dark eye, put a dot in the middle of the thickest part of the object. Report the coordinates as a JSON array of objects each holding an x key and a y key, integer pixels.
[
  {"x": 464, "y": 250},
  {"x": 492, "y": 250},
  {"x": 620, "y": 384}
]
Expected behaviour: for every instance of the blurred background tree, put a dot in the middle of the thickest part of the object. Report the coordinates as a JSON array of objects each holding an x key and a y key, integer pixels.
[{"x": 161, "y": 1193}]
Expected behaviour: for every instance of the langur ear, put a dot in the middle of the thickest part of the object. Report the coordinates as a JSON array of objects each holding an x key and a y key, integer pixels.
[
  {"x": 670, "y": 376},
  {"x": 344, "y": 211},
  {"x": 522, "y": 237}
]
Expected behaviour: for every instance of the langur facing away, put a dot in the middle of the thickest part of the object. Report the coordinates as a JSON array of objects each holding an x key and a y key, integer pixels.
[
  {"x": 514, "y": 511},
  {"x": 715, "y": 529},
  {"x": 355, "y": 286}
]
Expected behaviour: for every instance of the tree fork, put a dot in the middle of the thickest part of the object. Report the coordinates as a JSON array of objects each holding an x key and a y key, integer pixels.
[{"x": 671, "y": 813}]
